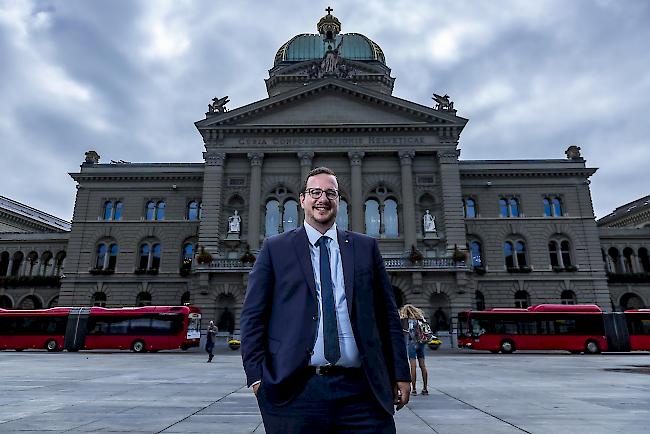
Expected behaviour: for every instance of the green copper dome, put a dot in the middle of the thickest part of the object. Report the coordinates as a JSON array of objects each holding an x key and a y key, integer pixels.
[{"x": 350, "y": 46}]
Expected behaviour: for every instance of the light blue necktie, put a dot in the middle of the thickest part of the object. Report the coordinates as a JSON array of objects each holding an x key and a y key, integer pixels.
[{"x": 330, "y": 328}]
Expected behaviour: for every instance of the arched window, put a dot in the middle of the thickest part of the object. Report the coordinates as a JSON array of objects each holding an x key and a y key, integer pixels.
[
  {"x": 150, "y": 211},
  {"x": 643, "y": 259},
  {"x": 508, "y": 253},
  {"x": 30, "y": 302},
  {"x": 552, "y": 252},
  {"x": 193, "y": 210},
  {"x": 5, "y": 302},
  {"x": 143, "y": 263},
  {"x": 17, "y": 264},
  {"x": 155, "y": 257},
  {"x": 188, "y": 255},
  {"x": 272, "y": 221},
  {"x": 4, "y": 263},
  {"x": 509, "y": 207},
  {"x": 613, "y": 260},
  {"x": 119, "y": 207},
  {"x": 557, "y": 207},
  {"x": 476, "y": 252},
  {"x": 373, "y": 221},
  {"x": 390, "y": 219},
  {"x": 520, "y": 247},
  {"x": 565, "y": 250},
  {"x": 548, "y": 212},
  {"x": 342, "y": 216},
  {"x": 98, "y": 299},
  {"x": 112, "y": 258},
  {"x": 185, "y": 298},
  {"x": 101, "y": 256},
  {"x": 568, "y": 297},
  {"x": 143, "y": 299},
  {"x": 628, "y": 260},
  {"x": 480, "y": 300},
  {"x": 290, "y": 215},
  {"x": 32, "y": 260},
  {"x": 59, "y": 260},
  {"x": 514, "y": 207},
  {"x": 469, "y": 207},
  {"x": 630, "y": 300},
  {"x": 108, "y": 210},
  {"x": 160, "y": 210},
  {"x": 522, "y": 299},
  {"x": 503, "y": 208}
]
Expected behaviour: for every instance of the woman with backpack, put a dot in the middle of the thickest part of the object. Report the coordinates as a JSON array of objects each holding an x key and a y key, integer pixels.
[{"x": 416, "y": 330}]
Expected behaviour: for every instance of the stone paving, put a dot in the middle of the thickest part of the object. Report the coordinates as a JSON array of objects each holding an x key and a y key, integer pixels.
[{"x": 177, "y": 392}]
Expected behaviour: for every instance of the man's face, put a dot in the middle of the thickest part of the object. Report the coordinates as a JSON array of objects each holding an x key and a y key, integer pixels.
[{"x": 320, "y": 213}]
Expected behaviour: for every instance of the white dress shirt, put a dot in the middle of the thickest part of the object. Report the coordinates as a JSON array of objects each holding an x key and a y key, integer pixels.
[{"x": 349, "y": 351}]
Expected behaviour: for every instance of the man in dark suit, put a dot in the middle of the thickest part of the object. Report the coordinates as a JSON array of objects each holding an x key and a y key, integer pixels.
[{"x": 322, "y": 343}]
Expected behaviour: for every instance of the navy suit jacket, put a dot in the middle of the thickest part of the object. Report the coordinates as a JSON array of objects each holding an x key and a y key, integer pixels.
[{"x": 279, "y": 320}]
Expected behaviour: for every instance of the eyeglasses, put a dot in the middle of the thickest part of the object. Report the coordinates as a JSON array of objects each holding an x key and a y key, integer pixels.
[{"x": 316, "y": 193}]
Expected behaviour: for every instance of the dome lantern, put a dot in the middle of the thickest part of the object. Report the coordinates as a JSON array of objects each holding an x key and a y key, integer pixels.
[{"x": 329, "y": 26}]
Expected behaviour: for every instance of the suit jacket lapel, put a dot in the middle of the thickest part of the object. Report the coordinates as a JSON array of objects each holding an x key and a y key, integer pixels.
[
  {"x": 301, "y": 246},
  {"x": 346, "y": 246}
]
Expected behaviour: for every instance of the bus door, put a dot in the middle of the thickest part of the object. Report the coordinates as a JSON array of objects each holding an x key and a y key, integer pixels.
[
  {"x": 618, "y": 338},
  {"x": 75, "y": 334}
]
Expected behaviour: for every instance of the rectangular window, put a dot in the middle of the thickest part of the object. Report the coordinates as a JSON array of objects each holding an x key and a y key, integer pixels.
[
  {"x": 424, "y": 180},
  {"x": 236, "y": 181}
]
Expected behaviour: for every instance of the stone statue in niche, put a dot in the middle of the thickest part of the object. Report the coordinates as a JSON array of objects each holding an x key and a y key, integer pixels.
[
  {"x": 429, "y": 222},
  {"x": 234, "y": 223}
]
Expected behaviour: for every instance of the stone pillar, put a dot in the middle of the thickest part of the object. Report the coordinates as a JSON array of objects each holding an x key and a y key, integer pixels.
[
  {"x": 306, "y": 161},
  {"x": 356, "y": 193},
  {"x": 454, "y": 223},
  {"x": 406, "y": 162},
  {"x": 10, "y": 266},
  {"x": 256, "y": 159},
  {"x": 209, "y": 230}
]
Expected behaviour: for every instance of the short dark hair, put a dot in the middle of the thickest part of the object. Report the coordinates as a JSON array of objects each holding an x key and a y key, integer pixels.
[{"x": 317, "y": 171}]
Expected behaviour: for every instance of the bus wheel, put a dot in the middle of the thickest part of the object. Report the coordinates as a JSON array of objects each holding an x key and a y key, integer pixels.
[
  {"x": 507, "y": 346},
  {"x": 591, "y": 347},
  {"x": 138, "y": 347},
  {"x": 184, "y": 347},
  {"x": 51, "y": 345}
]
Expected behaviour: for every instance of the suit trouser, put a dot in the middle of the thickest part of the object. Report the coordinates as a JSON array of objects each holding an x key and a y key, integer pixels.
[{"x": 327, "y": 404}]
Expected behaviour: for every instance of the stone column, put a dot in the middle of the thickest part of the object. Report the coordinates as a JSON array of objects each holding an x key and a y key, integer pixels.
[
  {"x": 209, "y": 230},
  {"x": 306, "y": 161},
  {"x": 10, "y": 266},
  {"x": 356, "y": 193},
  {"x": 406, "y": 162},
  {"x": 454, "y": 223},
  {"x": 254, "y": 206}
]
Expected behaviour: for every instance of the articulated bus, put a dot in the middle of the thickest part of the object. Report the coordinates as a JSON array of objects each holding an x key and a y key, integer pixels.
[
  {"x": 574, "y": 328},
  {"x": 140, "y": 329}
]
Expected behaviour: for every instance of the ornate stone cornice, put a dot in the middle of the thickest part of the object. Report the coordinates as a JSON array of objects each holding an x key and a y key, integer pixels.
[
  {"x": 306, "y": 158},
  {"x": 406, "y": 157},
  {"x": 356, "y": 157},
  {"x": 214, "y": 158},
  {"x": 450, "y": 156},
  {"x": 256, "y": 158}
]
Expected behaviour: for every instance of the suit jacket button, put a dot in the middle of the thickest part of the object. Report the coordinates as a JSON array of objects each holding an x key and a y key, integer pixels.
[{"x": 314, "y": 317}]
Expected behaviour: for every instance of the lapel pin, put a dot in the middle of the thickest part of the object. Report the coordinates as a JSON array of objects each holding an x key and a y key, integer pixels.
[{"x": 347, "y": 241}]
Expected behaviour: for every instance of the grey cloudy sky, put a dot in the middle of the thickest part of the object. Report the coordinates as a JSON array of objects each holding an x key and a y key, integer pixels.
[{"x": 129, "y": 78}]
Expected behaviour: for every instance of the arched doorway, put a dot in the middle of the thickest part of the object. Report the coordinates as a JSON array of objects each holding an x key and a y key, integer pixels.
[
  {"x": 224, "y": 313},
  {"x": 440, "y": 312},
  {"x": 631, "y": 301},
  {"x": 30, "y": 302}
]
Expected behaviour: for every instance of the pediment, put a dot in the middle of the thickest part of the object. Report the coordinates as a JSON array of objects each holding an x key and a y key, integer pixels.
[{"x": 331, "y": 102}]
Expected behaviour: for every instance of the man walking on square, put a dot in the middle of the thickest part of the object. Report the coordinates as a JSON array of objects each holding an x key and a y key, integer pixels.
[{"x": 322, "y": 344}]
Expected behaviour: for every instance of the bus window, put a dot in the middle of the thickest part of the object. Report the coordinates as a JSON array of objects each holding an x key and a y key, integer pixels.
[
  {"x": 506, "y": 326},
  {"x": 565, "y": 326},
  {"x": 527, "y": 327}
]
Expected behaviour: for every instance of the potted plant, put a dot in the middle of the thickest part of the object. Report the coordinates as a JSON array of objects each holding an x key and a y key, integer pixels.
[
  {"x": 458, "y": 255},
  {"x": 557, "y": 268},
  {"x": 415, "y": 255},
  {"x": 571, "y": 268},
  {"x": 248, "y": 257},
  {"x": 204, "y": 257}
]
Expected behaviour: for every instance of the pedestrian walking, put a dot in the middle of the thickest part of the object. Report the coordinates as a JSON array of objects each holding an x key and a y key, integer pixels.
[
  {"x": 210, "y": 340},
  {"x": 410, "y": 316}
]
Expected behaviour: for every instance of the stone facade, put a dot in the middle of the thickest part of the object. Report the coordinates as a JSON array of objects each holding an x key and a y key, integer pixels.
[{"x": 170, "y": 242}]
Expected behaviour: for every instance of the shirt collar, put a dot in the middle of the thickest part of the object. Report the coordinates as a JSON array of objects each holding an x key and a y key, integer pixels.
[{"x": 314, "y": 235}]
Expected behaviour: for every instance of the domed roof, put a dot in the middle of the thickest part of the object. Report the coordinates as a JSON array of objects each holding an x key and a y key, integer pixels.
[{"x": 351, "y": 46}]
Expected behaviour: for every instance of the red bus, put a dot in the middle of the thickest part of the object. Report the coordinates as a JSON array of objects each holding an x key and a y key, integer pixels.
[
  {"x": 638, "y": 326},
  {"x": 140, "y": 329},
  {"x": 574, "y": 328}
]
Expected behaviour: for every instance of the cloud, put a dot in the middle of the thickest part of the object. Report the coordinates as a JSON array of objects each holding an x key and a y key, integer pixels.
[{"x": 129, "y": 78}]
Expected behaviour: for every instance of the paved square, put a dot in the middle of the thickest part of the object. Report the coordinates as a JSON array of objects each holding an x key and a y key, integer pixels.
[{"x": 177, "y": 392}]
